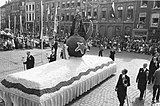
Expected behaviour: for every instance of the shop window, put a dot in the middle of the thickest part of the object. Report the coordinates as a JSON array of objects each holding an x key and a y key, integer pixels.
[
  {"x": 144, "y": 3},
  {"x": 155, "y": 20},
  {"x": 142, "y": 18},
  {"x": 128, "y": 30},
  {"x": 130, "y": 13},
  {"x": 119, "y": 12},
  {"x": 156, "y": 4}
]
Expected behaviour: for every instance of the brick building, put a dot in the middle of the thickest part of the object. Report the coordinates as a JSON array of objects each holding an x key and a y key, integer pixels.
[
  {"x": 104, "y": 24},
  {"x": 147, "y": 19},
  {"x": 133, "y": 18}
]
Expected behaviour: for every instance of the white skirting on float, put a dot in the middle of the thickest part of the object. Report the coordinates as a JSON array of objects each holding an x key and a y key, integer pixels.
[{"x": 62, "y": 96}]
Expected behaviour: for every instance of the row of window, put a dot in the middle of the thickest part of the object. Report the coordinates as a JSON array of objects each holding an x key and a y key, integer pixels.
[
  {"x": 30, "y": 7},
  {"x": 144, "y": 3},
  {"x": 72, "y": 4},
  {"x": 154, "y": 19},
  {"x": 119, "y": 12},
  {"x": 30, "y": 17}
]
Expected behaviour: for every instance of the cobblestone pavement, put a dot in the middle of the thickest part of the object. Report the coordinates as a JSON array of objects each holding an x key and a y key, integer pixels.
[
  {"x": 11, "y": 61},
  {"x": 104, "y": 94},
  {"x": 101, "y": 95}
]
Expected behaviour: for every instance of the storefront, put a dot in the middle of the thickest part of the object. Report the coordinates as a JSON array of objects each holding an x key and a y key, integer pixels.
[{"x": 140, "y": 34}]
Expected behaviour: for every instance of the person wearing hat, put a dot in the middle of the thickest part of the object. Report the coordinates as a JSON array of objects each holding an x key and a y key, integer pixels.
[
  {"x": 121, "y": 87},
  {"x": 30, "y": 61},
  {"x": 142, "y": 79},
  {"x": 153, "y": 66}
]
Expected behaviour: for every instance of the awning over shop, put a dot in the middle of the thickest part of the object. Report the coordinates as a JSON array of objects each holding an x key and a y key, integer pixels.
[{"x": 140, "y": 32}]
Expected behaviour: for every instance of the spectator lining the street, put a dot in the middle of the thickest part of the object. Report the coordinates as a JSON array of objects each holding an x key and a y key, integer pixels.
[
  {"x": 152, "y": 68},
  {"x": 142, "y": 79}
]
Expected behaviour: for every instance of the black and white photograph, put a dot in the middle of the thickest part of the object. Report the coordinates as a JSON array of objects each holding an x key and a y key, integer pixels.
[{"x": 79, "y": 52}]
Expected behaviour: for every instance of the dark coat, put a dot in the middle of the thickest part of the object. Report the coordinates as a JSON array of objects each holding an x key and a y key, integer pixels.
[
  {"x": 153, "y": 67},
  {"x": 112, "y": 53},
  {"x": 30, "y": 62},
  {"x": 142, "y": 78},
  {"x": 52, "y": 58},
  {"x": 55, "y": 46},
  {"x": 121, "y": 89}
]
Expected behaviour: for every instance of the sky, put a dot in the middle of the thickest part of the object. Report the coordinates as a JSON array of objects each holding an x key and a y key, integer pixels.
[{"x": 2, "y": 2}]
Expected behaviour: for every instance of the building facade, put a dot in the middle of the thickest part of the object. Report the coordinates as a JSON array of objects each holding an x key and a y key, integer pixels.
[
  {"x": 13, "y": 15},
  {"x": 147, "y": 25},
  {"x": 104, "y": 24},
  {"x": 3, "y": 17},
  {"x": 133, "y": 18}
]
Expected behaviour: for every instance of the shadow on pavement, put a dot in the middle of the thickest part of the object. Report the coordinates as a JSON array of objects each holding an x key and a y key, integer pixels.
[
  {"x": 84, "y": 94},
  {"x": 137, "y": 102},
  {"x": 150, "y": 87}
]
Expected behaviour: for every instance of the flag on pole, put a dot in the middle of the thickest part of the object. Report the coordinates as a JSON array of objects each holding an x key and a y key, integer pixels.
[
  {"x": 48, "y": 13},
  {"x": 41, "y": 36},
  {"x": 48, "y": 10},
  {"x": 21, "y": 27},
  {"x": 55, "y": 20},
  {"x": 112, "y": 11},
  {"x": 41, "y": 20},
  {"x": 9, "y": 23},
  {"x": 14, "y": 23}
]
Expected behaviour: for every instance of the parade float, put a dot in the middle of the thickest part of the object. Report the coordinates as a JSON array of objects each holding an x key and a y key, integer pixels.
[{"x": 57, "y": 83}]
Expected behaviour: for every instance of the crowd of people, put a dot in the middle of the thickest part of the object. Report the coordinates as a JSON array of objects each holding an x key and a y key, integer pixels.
[
  {"x": 21, "y": 42},
  {"x": 128, "y": 44}
]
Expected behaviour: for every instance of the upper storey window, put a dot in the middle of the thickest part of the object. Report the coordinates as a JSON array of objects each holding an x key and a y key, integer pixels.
[
  {"x": 156, "y": 4},
  {"x": 130, "y": 13},
  {"x": 144, "y": 3}
]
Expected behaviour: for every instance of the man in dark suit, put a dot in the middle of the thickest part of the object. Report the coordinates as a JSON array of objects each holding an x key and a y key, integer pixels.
[
  {"x": 142, "y": 79},
  {"x": 156, "y": 86},
  {"x": 121, "y": 87},
  {"x": 55, "y": 47},
  {"x": 152, "y": 68},
  {"x": 112, "y": 54},
  {"x": 52, "y": 56},
  {"x": 30, "y": 61}
]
